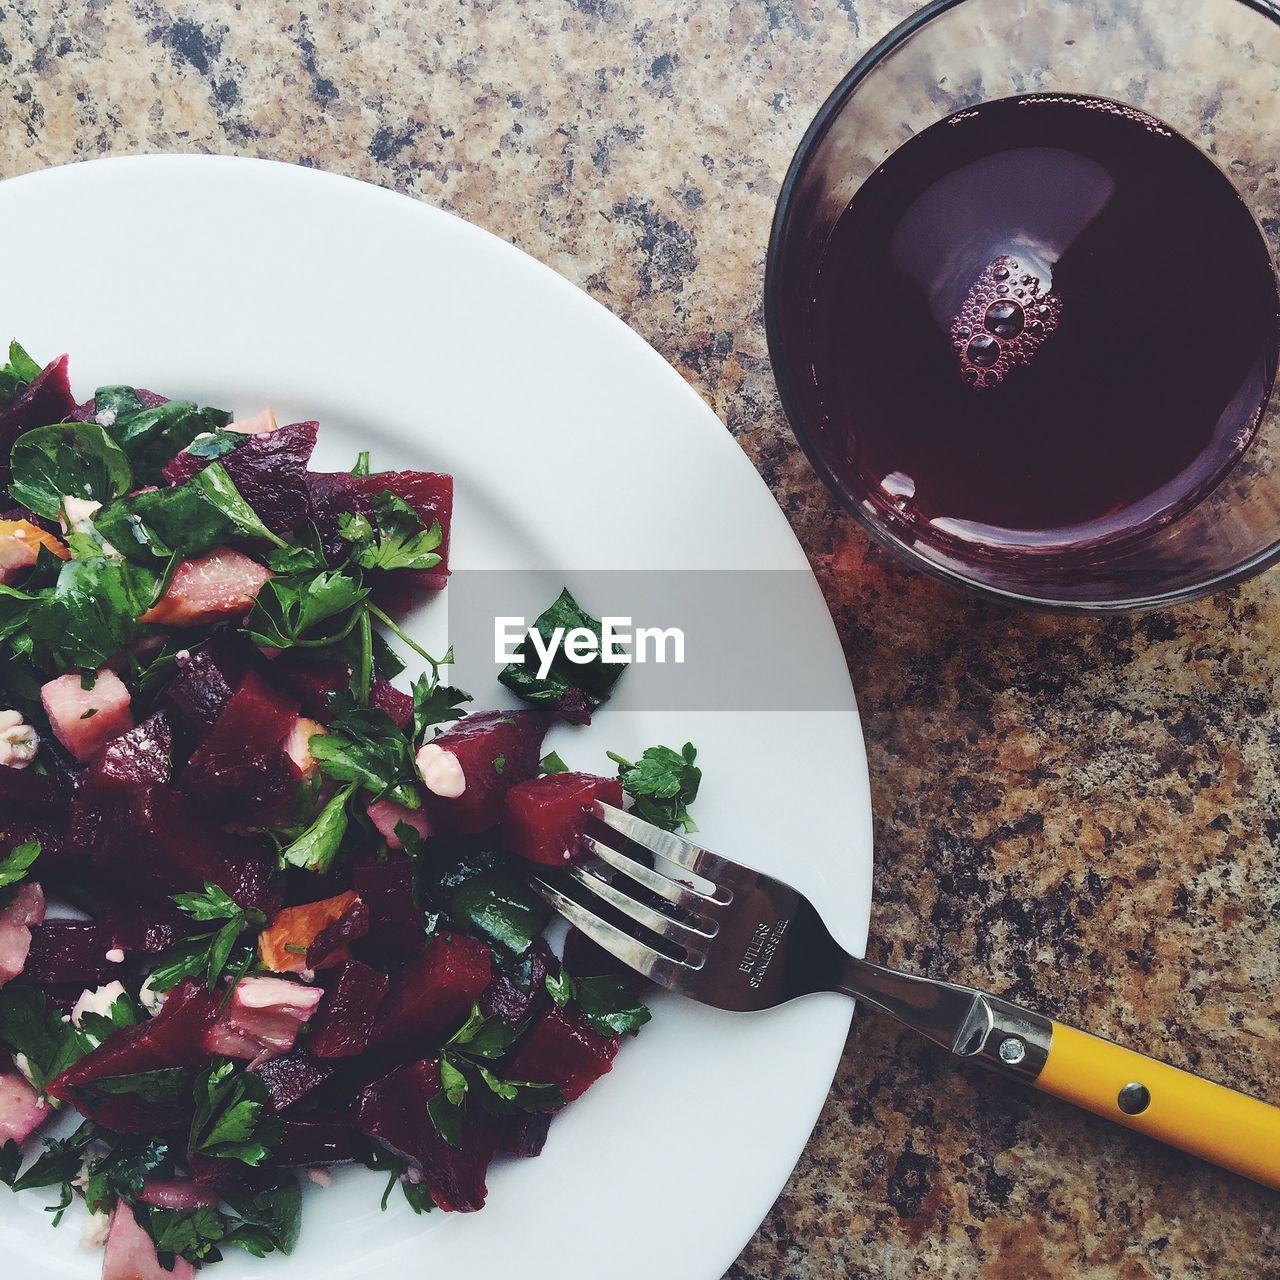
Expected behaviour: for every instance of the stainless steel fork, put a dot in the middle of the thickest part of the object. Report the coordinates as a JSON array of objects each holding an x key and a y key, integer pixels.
[{"x": 748, "y": 941}]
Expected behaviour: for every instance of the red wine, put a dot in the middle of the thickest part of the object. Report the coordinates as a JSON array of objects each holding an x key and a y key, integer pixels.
[{"x": 1041, "y": 323}]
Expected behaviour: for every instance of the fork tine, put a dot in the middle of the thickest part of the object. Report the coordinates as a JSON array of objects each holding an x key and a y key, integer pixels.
[
  {"x": 688, "y": 899},
  {"x": 633, "y": 953},
  {"x": 683, "y": 935},
  {"x": 666, "y": 844}
]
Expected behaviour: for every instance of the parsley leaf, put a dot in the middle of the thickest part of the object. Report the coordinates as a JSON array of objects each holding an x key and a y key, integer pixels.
[
  {"x": 229, "y": 1122},
  {"x": 395, "y": 538},
  {"x": 31, "y": 1026},
  {"x": 271, "y": 1215},
  {"x": 210, "y": 951},
  {"x": 551, "y": 763},
  {"x": 434, "y": 703},
  {"x": 447, "y": 1117},
  {"x": 365, "y": 746},
  {"x": 18, "y": 863},
  {"x": 94, "y": 1028},
  {"x": 317, "y": 846},
  {"x": 663, "y": 783},
  {"x": 16, "y": 376},
  {"x": 606, "y": 1002},
  {"x": 193, "y": 1234},
  {"x": 72, "y": 459},
  {"x": 288, "y": 608}
]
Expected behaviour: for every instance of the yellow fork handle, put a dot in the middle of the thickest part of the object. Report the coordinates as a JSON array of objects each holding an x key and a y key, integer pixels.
[{"x": 1218, "y": 1124}]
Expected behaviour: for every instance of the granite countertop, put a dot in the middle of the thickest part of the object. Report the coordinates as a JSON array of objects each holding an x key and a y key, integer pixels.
[{"x": 1077, "y": 813}]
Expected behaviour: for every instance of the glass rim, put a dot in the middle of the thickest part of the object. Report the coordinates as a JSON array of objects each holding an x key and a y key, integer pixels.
[{"x": 809, "y": 143}]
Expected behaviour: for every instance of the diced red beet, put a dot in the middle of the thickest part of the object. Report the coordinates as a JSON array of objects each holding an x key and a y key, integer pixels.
[
  {"x": 586, "y": 959},
  {"x": 131, "y": 1253},
  {"x": 292, "y": 1077},
  {"x": 331, "y": 945},
  {"x": 47, "y": 400},
  {"x": 243, "y": 760},
  {"x": 333, "y": 494},
  {"x": 84, "y": 720},
  {"x": 22, "y": 1110},
  {"x": 311, "y": 682},
  {"x": 223, "y": 584},
  {"x": 386, "y": 888},
  {"x": 69, "y": 951},
  {"x": 58, "y": 854},
  {"x": 143, "y": 754},
  {"x": 205, "y": 682},
  {"x": 17, "y": 919},
  {"x": 386, "y": 697},
  {"x": 159, "y": 843},
  {"x": 512, "y": 1001},
  {"x": 563, "y": 1050},
  {"x": 315, "y": 1140},
  {"x": 431, "y": 995},
  {"x": 88, "y": 411},
  {"x": 387, "y": 815},
  {"x": 177, "y": 1193},
  {"x": 344, "y": 1021},
  {"x": 269, "y": 470},
  {"x": 525, "y": 1133},
  {"x": 393, "y": 1110},
  {"x": 546, "y": 818},
  {"x": 494, "y": 750},
  {"x": 262, "y": 1019},
  {"x": 141, "y": 926},
  {"x": 22, "y": 791}
]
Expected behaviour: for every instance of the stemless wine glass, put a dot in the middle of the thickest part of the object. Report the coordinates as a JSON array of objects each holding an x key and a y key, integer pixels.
[{"x": 1209, "y": 68}]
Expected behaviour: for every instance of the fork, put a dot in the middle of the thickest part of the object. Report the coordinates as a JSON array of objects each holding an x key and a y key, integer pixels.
[{"x": 748, "y": 941}]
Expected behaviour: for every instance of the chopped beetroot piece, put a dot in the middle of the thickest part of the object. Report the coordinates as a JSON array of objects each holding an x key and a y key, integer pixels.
[
  {"x": 269, "y": 470},
  {"x": 48, "y": 399},
  {"x": 344, "y": 1021},
  {"x": 205, "y": 682},
  {"x": 493, "y": 750},
  {"x": 331, "y": 943},
  {"x": 145, "y": 926},
  {"x": 143, "y": 754},
  {"x": 545, "y": 819},
  {"x": 173, "y": 1038},
  {"x": 431, "y": 995},
  {"x": 83, "y": 720},
  {"x": 223, "y": 584},
  {"x": 316, "y": 1140},
  {"x": 563, "y": 1050},
  {"x": 159, "y": 842},
  {"x": 87, "y": 411},
  {"x": 262, "y": 1019},
  {"x": 333, "y": 494},
  {"x": 386, "y": 888},
  {"x": 177, "y": 1193},
  {"x": 394, "y": 1111},
  {"x": 525, "y": 1134},
  {"x": 22, "y": 1110},
  {"x": 387, "y": 816},
  {"x": 22, "y": 791},
  {"x": 311, "y": 682},
  {"x": 131, "y": 1252},
  {"x": 586, "y": 959},
  {"x": 292, "y": 1077},
  {"x": 243, "y": 761},
  {"x": 69, "y": 951},
  {"x": 58, "y": 853},
  {"x": 511, "y": 1000},
  {"x": 386, "y": 697}
]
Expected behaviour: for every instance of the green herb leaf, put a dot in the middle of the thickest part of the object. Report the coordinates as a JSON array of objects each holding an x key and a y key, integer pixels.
[
  {"x": 151, "y": 437},
  {"x": 560, "y": 987},
  {"x": 434, "y": 703},
  {"x": 210, "y": 952},
  {"x": 229, "y": 1121},
  {"x": 16, "y": 376},
  {"x": 31, "y": 1026},
  {"x": 193, "y": 1234},
  {"x": 663, "y": 783},
  {"x": 18, "y": 863},
  {"x": 316, "y": 848},
  {"x": 212, "y": 903},
  {"x": 453, "y": 1082},
  {"x": 287, "y": 609},
  {"x": 364, "y": 746},
  {"x": 609, "y": 1005},
  {"x": 71, "y": 459},
  {"x": 418, "y": 1194},
  {"x": 274, "y": 1212},
  {"x": 551, "y": 763},
  {"x": 121, "y": 1172},
  {"x": 10, "y": 1162},
  {"x": 395, "y": 538},
  {"x": 447, "y": 1118},
  {"x": 362, "y": 464},
  {"x": 165, "y": 1084},
  {"x": 94, "y": 1029}
]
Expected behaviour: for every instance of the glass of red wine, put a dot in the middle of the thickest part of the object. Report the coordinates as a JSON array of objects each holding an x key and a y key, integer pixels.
[{"x": 1022, "y": 303}]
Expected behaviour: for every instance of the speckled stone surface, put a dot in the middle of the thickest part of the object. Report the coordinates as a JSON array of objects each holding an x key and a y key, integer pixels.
[{"x": 1081, "y": 814}]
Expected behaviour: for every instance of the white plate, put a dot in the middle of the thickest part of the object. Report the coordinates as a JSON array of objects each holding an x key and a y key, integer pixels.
[{"x": 411, "y": 333}]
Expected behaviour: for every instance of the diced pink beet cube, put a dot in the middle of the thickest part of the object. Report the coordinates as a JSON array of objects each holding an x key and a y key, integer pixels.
[
  {"x": 131, "y": 1253},
  {"x": 394, "y": 1111},
  {"x": 223, "y": 584},
  {"x": 431, "y": 995},
  {"x": 386, "y": 697},
  {"x": 48, "y": 399},
  {"x": 143, "y": 754},
  {"x": 386, "y": 888},
  {"x": 177, "y": 1193},
  {"x": 469, "y": 768},
  {"x": 16, "y": 920},
  {"x": 386, "y": 815},
  {"x": 563, "y": 1050},
  {"x": 546, "y": 818},
  {"x": 262, "y": 1019},
  {"x": 84, "y": 720},
  {"x": 22, "y": 1111},
  {"x": 344, "y": 1021}
]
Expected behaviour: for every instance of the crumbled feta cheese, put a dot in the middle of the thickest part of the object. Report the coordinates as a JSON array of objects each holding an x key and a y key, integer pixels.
[
  {"x": 151, "y": 999},
  {"x": 107, "y": 418},
  {"x": 23, "y": 1064},
  {"x": 182, "y": 655},
  {"x": 441, "y": 771},
  {"x": 115, "y": 956},
  {"x": 77, "y": 514},
  {"x": 99, "y": 1000},
  {"x": 320, "y": 1176},
  {"x": 19, "y": 742},
  {"x": 97, "y": 1226}
]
